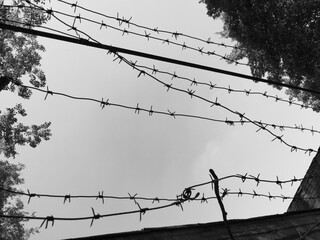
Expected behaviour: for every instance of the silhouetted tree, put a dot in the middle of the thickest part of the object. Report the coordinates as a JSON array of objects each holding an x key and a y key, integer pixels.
[
  {"x": 19, "y": 52},
  {"x": 13, "y": 133},
  {"x": 19, "y": 61},
  {"x": 280, "y": 39},
  {"x": 12, "y": 229}
]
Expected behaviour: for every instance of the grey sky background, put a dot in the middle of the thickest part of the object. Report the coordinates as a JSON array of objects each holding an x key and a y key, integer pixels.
[{"x": 119, "y": 152}]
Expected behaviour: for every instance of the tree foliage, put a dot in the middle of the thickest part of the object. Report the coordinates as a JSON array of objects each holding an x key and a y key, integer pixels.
[
  {"x": 13, "y": 133},
  {"x": 19, "y": 61},
  {"x": 280, "y": 39},
  {"x": 19, "y": 52},
  {"x": 12, "y": 229}
]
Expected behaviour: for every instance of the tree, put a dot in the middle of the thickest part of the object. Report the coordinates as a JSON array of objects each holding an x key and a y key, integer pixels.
[
  {"x": 19, "y": 60},
  {"x": 280, "y": 39},
  {"x": 19, "y": 52},
  {"x": 12, "y": 229},
  {"x": 13, "y": 133}
]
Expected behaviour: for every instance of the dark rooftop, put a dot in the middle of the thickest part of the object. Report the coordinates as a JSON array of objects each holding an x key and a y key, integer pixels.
[{"x": 290, "y": 225}]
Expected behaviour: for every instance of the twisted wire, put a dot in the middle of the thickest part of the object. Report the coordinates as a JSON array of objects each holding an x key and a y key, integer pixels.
[
  {"x": 214, "y": 103},
  {"x": 135, "y": 197},
  {"x": 194, "y": 82},
  {"x": 129, "y": 22},
  {"x": 124, "y": 31},
  {"x": 137, "y": 109},
  {"x": 211, "y": 86},
  {"x": 174, "y": 75},
  {"x": 192, "y": 94}
]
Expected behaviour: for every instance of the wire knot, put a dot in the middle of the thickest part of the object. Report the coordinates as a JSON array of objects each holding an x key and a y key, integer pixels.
[
  {"x": 67, "y": 197},
  {"x": 94, "y": 217},
  {"x": 100, "y": 195},
  {"x": 47, "y": 220}
]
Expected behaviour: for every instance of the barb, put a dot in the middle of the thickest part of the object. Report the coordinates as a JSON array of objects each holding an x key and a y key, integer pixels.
[
  {"x": 35, "y": 26},
  {"x": 211, "y": 86},
  {"x": 259, "y": 124},
  {"x": 141, "y": 211},
  {"x": 112, "y": 49},
  {"x": 137, "y": 109},
  {"x": 185, "y": 196},
  {"x": 194, "y": 82},
  {"x": 47, "y": 220},
  {"x": 174, "y": 114},
  {"x": 52, "y": 219},
  {"x": 206, "y": 100},
  {"x": 173, "y": 34},
  {"x": 124, "y": 31},
  {"x": 225, "y": 192}
]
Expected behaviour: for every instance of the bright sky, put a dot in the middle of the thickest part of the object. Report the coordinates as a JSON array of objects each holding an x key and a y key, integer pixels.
[{"x": 118, "y": 152}]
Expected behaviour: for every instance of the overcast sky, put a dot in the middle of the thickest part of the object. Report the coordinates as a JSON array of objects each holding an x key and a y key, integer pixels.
[{"x": 118, "y": 151}]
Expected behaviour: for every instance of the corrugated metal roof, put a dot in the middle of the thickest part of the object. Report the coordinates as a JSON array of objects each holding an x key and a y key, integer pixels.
[
  {"x": 285, "y": 226},
  {"x": 308, "y": 193}
]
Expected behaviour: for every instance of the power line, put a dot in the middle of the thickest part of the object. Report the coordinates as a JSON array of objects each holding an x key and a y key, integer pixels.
[
  {"x": 192, "y": 94},
  {"x": 194, "y": 82},
  {"x": 174, "y": 75},
  {"x": 114, "y": 49},
  {"x": 168, "y": 86},
  {"x": 142, "y": 72},
  {"x": 188, "y": 91}
]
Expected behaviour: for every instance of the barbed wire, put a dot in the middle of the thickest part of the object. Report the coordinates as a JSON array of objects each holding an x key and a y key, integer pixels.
[
  {"x": 174, "y": 75},
  {"x": 129, "y": 22},
  {"x": 97, "y": 44},
  {"x": 178, "y": 201},
  {"x": 135, "y": 197},
  {"x": 191, "y": 93},
  {"x": 171, "y": 113},
  {"x": 229, "y": 89},
  {"x": 123, "y": 31},
  {"x": 137, "y": 108},
  {"x": 28, "y": 24},
  {"x": 211, "y": 86},
  {"x": 188, "y": 195},
  {"x": 194, "y": 82},
  {"x": 141, "y": 211}
]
